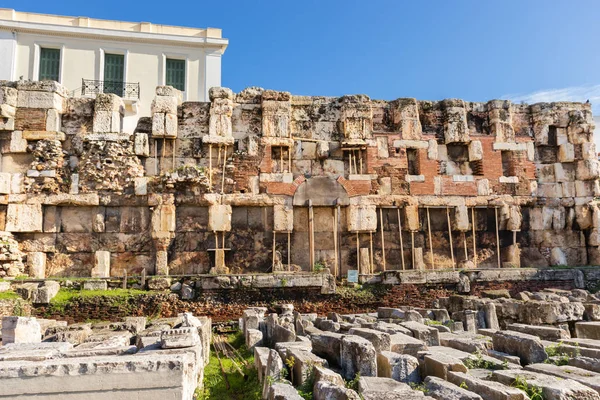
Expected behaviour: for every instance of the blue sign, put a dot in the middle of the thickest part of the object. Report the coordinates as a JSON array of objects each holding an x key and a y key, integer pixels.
[{"x": 353, "y": 275}]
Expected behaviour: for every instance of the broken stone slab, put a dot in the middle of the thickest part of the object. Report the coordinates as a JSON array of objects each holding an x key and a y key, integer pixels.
[
  {"x": 95, "y": 285},
  {"x": 358, "y": 355},
  {"x": 528, "y": 348},
  {"x": 328, "y": 346},
  {"x": 466, "y": 342},
  {"x": 543, "y": 332},
  {"x": 427, "y": 334},
  {"x": 504, "y": 357},
  {"x": 328, "y": 391},
  {"x": 588, "y": 378},
  {"x": 21, "y": 330},
  {"x": 380, "y": 340},
  {"x": 282, "y": 334},
  {"x": 399, "y": 367},
  {"x": 45, "y": 292},
  {"x": 588, "y": 330},
  {"x": 179, "y": 338},
  {"x": 488, "y": 390},
  {"x": 282, "y": 391},
  {"x": 405, "y": 344},
  {"x": 254, "y": 338},
  {"x": 387, "y": 327},
  {"x": 326, "y": 375},
  {"x": 303, "y": 363},
  {"x": 438, "y": 364},
  {"x": 553, "y": 388},
  {"x": 273, "y": 371},
  {"x": 261, "y": 358},
  {"x": 374, "y": 388},
  {"x": 282, "y": 347},
  {"x": 588, "y": 363},
  {"x": 442, "y": 390}
]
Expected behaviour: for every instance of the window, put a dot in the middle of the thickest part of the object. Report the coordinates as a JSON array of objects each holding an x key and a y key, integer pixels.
[
  {"x": 413, "y": 162},
  {"x": 175, "y": 74},
  {"x": 49, "y": 64},
  {"x": 114, "y": 71}
]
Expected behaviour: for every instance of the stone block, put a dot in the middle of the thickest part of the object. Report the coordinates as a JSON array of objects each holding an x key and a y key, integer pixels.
[
  {"x": 109, "y": 102},
  {"x": 429, "y": 335},
  {"x": 8, "y": 96},
  {"x": 20, "y": 330},
  {"x": 528, "y": 348},
  {"x": 53, "y": 120},
  {"x": 5, "y": 182},
  {"x": 95, "y": 285},
  {"x": 399, "y": 367},
  {"x": 45, "y": 292},
  {"x": 24, "y": 218},
  {"x": 441, "y": 389},
  {"x": 361, "y": 218},
  {"x": 566, "y": 152},
  {"x": 31, "y": 99},
  {"x": 219, "y": 218},
  {"x": 158, "y": 124},
  {"x": 171, "y": 125},
  {"x": 165, "y": 104},
  {"x": 588, "y": 170},
  {"x": 327, "y": 391},
  {"x": 7, "y": 111},
  {"x": 102, "y": 122},
  {"x": 254, "y": 338},
  {"x": 36, "y": 264},
  {"x": 588, "y": 330},
  {"x": 141, "y": 186},
  {"x": 412, "y": 218},
  {"x": 380, "y": 340},
  {"x": 553, "y": 388},
  {"x": 475, "y": 151},
  {"x": 304, "y": 362},
  {"x": 358, "y": 355},
  {"x": 102, "y": 264},
  {"x": 16, "y": 144},
  {"x": 283, "y": 218},
  {"x": 141, "y": 145}
]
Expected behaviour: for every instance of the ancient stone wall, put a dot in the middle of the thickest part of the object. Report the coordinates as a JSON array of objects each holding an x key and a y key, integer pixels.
[{"x": 345, "y": 183}]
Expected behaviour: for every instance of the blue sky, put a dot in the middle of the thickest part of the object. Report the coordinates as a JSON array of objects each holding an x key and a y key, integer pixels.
[{"x": 476, "y": 50}]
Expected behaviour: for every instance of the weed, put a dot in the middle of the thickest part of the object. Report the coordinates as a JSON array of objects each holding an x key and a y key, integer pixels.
[
  {"x": 419, "y": 386},
  {"x": 560, "y": 355},
  {"x": 481, "y": 363},
  {"x": 463, "y": 385},
  {"x": 318, "y": 267},
  {"x": 8, "y": 295},
  {"x": 353, "y": 384},
  {"x": 534, "y": 392}
]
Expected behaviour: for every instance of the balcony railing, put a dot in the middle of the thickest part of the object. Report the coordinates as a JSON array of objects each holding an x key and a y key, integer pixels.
[{"x": 125, "y": 90}]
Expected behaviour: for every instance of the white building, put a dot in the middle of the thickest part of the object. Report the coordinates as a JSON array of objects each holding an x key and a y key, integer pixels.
[{"x": 127, "y": 58}]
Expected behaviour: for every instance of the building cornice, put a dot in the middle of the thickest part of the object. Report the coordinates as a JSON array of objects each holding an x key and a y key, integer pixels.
[{"x": 114, "y": 35}]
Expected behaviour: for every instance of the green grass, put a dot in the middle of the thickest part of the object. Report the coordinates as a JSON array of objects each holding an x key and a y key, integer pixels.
[
  {"x": 9, "y": 295},
  {"x": 241, "y": 387},
  {"x": 66, "y": 295}
]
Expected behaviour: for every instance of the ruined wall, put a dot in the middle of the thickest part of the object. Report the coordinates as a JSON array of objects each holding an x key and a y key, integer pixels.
[{"x": 347, "y": 183}]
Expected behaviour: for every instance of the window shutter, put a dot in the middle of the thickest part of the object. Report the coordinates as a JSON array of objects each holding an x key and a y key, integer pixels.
[
  {"x": 114, "y": 66},
  {"x": 175, "y": 74},
  {"x": 49, "y": 64}
]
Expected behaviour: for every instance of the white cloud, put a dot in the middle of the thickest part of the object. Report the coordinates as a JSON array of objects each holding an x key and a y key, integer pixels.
[{"x": 575, "y": 93}]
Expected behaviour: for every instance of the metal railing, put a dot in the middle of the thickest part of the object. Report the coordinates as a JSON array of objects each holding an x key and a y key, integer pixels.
[{"x": 126, "y": 90}]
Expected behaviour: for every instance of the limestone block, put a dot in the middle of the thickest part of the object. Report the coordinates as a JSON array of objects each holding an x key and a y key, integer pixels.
[
  {"x": 385, "y": 186},
  {"x": 170, "y": 125},
  {"x": 165, "y": 104},
  {"x": 432, "y": 150},
  {"x": 36, "y": 264},
  {"x": 8, "y": 96},
  {"x": 162, "y": 263},
  {"x": 24, "y": 218},
  {"x": 45, "y": 292},
  {"x": 515, "y": 218},
  {"x": 456, "y": 129},
  {"x": 31, "y": 99},
  {"x": 116, "y": 120},
  {"x": 109, "y": 102},
  {"x": 7, "y": 124},
  {"x": 461, "y": 218},
  {"x": 357, "y": 356},
  {"x": 158, "y": 124},
  {"x": 411, "y": 144},
  {"x": 5, "y": 182},
  {"x": 588, "y": 151},
  {"x": 362, "y": 218},
  {"x": 102, "y": 264},
  {"x": 283, "y": 218},
  {"x": 163, "y": 218},
  {"x": 566, "y": 152},
  {"x": 412, "y": 218},
  {"x": 406, "y": 118},
  {"x": 418, "y": 256},
  {"x": 356, "y": 117},
  {"x": 333, "y": 168},
  {"x": 219, "y": 218},
  {"x": 588, "y": 170},
  {"x": 74, "y": 184},
  {"x": 20, "y": 330},
  {"x": 588, "y": 330},
  {"x": 102, "y": 122},
  {"x": 276, "y": 118},
  {"x": 380, "y": 340},
  {"x": 7, "y": 111},
  {"x": 53, "y": 120},
  {"x": 475, "y": 151},
  {"x": 441, "y": 389},
  {"x": 382, "y": 147},
  {"x": 141, "y": 146},
  {"x": 141, "y": 185},
  {"x": 528, "y": 348},
  {"x": 17, "y": 143},
  {"x": 483, "y": 187},
  {"x": 500, "y": 120},
  {"x": 221, "y": 110}
]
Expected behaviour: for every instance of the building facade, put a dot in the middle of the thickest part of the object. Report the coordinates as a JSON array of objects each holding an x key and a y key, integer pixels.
[{"x": 90, "y": 56}]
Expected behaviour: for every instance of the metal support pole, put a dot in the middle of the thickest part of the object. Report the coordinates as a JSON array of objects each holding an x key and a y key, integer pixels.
[
  {"x": 289, "y": 246},
  {"x": 382, "y": 237},
  {"x": 473, "y": 229},
  {"x": 335, "y": 243},
  {"x": 371, "y": 268},
  {"x": 357, "y": 253},
  {"x": 273, "y": 256},
  {"x": 430, "y": 240},
  {"x": 464, "y": 235},
  {"x": 400, "y": 234},
  {"x": 450, "y": 237},
  {"x": 497, "y": 237}
]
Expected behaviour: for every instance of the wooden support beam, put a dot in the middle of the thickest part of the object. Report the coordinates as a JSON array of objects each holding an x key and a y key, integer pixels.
[
  {"x": 357, "y": 253},
  {"x": 335, "y": 243},
  {"x": 382, "y": 238},
  {"x": 223, "y": 175},
  {"x": 400, "y": 234},
  {"x": 311, "y": 235},
  {"x": 273, "y": 255},
  {"x": 497, "y": 237},
  {"x": 450, "y": 237},
  {"x": 412, "y": 247},
  {"x": 371, "y": 267},
  {"x": 173, "y": 155},
  {"x": 464, "y": 236},
  {"x": 155, "y": 156},
  {"x": 210, "y": 172},
  {"x": 430, "y": 240},
  {"x": 289, "y": 254},
  {"x": 473, "y": 229}
]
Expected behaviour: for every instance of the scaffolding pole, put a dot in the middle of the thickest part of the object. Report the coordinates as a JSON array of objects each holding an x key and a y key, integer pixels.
[
  {"x": 382, "y": 237},
  {"x": 450, "y": 237},
  {"x": 497, "y": 237},
  {"x": 400, "y": 234}
]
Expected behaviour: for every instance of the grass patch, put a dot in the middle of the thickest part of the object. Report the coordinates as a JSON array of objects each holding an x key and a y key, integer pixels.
[
  {"x": 362, "y": 293},
  {"x": 9, "y": 295},
  {"x": 65, "y": 297},
  {"x": 240, "y": 387}
]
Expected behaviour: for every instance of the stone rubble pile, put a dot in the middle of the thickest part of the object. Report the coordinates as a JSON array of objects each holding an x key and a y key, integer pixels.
[
  {"x": 11, "y": 258},
  {"x": 463, "y": 348},
  {"x": 50, "y": 359}
]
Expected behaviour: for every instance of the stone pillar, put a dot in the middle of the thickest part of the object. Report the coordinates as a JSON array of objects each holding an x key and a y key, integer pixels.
[
  {"x": 36, "y": 263},
  {"x": 219, "y": 221},
  {"x": 461, "y": 218},
  {"x": 365, "y": 261},
  {"x": 102, "y": 264},
  {"x": 500, "y": 120},
  {"x": 412, "y": 218},
  {"x": 356, "y": 118},
  {"x": 221, "y": 110},
  {"x": 406, "y": 118},
  {"x": 455, "y": 121},
  {"x": 163, "y": 231},
  {"x": 276, "y": 114},
  {"x": 164, "y": 113},
  {"x": 108, "y": 114}
]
